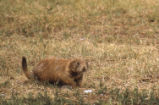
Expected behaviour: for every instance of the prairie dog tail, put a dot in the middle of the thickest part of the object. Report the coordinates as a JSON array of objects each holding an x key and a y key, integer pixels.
[{"x": 28, "y": 74}]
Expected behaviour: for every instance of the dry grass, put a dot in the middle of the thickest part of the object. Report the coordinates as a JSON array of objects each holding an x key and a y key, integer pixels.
[{"x": 119, "y": 37}]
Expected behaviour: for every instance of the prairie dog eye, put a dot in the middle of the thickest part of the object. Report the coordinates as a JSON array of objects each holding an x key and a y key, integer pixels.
[{"x": 84, "y": 69}]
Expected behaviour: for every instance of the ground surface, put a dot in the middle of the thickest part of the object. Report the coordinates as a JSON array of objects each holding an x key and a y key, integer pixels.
[{"x": 120, "y": 39}]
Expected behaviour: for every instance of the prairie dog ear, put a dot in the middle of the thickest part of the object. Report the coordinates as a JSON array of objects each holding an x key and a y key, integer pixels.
[
  {"x": 87, "y": 62},
  {"x": 74, "y": 64}
]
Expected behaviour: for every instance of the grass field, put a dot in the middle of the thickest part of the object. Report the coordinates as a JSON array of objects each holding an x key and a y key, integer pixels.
[{"x": 119, "y": 37}]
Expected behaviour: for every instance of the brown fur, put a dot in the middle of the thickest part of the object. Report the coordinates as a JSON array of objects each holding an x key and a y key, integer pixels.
[{"x": 61, "y": 71}]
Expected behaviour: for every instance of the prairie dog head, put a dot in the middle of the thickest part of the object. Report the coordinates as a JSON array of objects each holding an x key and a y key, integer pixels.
[{"x": 78, "y": 66}]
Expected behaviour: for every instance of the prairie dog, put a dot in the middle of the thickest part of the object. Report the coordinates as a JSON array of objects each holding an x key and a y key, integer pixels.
[{"x": 54, "y": 70}]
